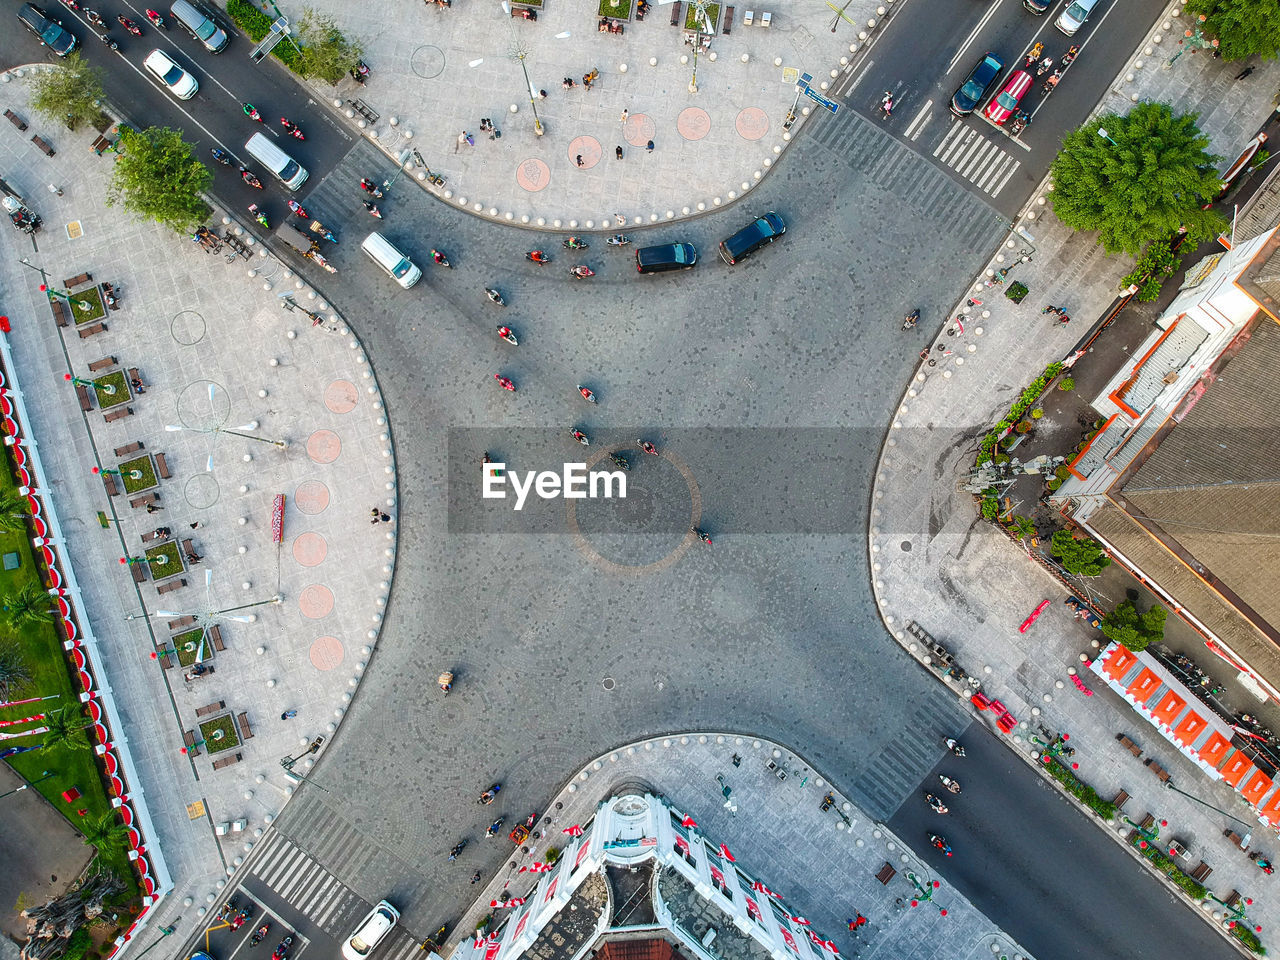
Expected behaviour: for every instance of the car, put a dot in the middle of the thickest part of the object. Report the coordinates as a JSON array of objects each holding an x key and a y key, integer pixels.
[
  {"x": 976, "y": 86},
  {"x": 752, "y": 237},
  {"x": 370, "y": 931},
  {"x": 666, "y": 256},
  {"x": 50, "y": 31},
  {"x": 180, "y": 83},
  {"x": 1005, "y": 102},
  {"x": 1037, "y": 6},
  {"x": 1074, "y": 16}
]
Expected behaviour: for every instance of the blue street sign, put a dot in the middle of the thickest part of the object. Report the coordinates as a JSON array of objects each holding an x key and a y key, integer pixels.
[{"x": 819, "y": 98}]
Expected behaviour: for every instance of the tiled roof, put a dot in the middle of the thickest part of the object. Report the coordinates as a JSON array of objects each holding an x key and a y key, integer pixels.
[{"x": 650, "y": 948}]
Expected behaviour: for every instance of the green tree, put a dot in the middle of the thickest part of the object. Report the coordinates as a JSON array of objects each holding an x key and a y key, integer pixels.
[
  {"x": 1021, "y": 527},
  {"x": 1243, "y": 27},
  {"x": 14, "y": 674},
  {"x": 66, "y": 725},
  {"x": 1137, "y": 631},
  {"x": 1143, "y": 184},
  {"x": 71, "y": 93},
  {"x": 15, "y": 511},
  {"x": 157, "y": 177},
  {"x": 106, "y": 833},
  {"x": 1081, "y": 556},
  {"x": 78, "y": 944},
  {"x": 29, "y": 605},
  {"x": 1157, "y": 263},
  {"x": 326, "y": 53}
]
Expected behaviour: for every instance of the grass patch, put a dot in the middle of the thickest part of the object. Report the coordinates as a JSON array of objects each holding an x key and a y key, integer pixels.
[
  {"x": 106, "y": 398},
  {"x": 616, "y": 9},
  {"x": 143, "y": 465},
  {"x": 529, "y": 3},
  {"x": 187, "y": 657},
  {"x": 713, "y": 15},
  {"x": 164, "y": 560},
  {"x": 256, "y": 24},
  {"x": 97, "y": 309},
  {"x": 1079, "y": 789},
  {"x": 210, "y": 730},
  {"x": 1165, "y": 864}
]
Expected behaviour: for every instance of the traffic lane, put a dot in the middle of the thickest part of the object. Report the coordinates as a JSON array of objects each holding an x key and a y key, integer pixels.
[{"x": 1009, "y": 829}]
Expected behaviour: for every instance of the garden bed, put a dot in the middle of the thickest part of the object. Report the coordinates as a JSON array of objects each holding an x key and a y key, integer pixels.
[
  {"x": 105, "y": 397},
  {"x": 713, "y": 16},
  {"x": 143, "y": 465},
  {"x": 615, "y": 9},
  {"x": 193, "y": 637},
  {"x": 210, "y": 729},
  {"x": 1164, "y": 863},
  {"x": 97, "y": 309},
  {"x": 1079, "y": 789},
  {"x": 164, "y": 561}
]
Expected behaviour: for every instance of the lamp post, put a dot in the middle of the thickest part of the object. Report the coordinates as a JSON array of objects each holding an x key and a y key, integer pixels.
[
  {"x": 700, "y": 19},
  {"x": 840, "y": 15},
  {"x": 45, "y": 776},
  {"x": 1169, "y": 786},
  {"x": 1193, "y": 41},
  {"x": 108, "y": 388},
  {"x": 51, "y": 290},
  {"x": 133, "y": 474},
  {"x": 164, "y": 932},
  {"x": 924, "y": 894},
  {"x": 518, "y": 52},
  {"x": 288, "y": 762},
  {"x": 159, "y": 558},
  {"x": 1102, "y": 132}
]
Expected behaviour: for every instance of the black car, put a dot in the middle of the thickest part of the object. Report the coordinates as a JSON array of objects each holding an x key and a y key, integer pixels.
[
  {"x": 752, "y": 237},
  {"x": 977, "y": 85},
  {"x": 666, "y": 256},
  {"x": 50, "y": 31}
]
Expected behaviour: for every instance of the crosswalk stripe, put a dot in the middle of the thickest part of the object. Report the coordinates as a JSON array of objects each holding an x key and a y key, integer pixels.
[
  {"x": 296, "y": 877},
  {"x": 291, "y": 853},
  {"x": 318, "y": 895}
]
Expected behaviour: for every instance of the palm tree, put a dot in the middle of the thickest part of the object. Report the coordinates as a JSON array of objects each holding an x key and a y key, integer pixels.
[
  {"x": 14, "y": 510},
  {"x": 14, "y": 674},
  {"x": 106, "y": 833},
  {"x": 30, "y": 604},
  {"x": 66, "y": 728}
]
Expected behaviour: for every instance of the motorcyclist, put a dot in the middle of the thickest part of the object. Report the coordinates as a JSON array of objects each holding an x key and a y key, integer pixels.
[
  {"x": 445, "y": 680},
  {"x": 937, "y": 805},
  {"x": 580, "y": 437},
  {"x": 587, "y": 394},
  {"x": 954, "y": 746},
  {"x": 488, "y": 795},
  {"x": 494, "y": 295},
  {"x": 437, "y": 256},
  {"x": 950, "y": 784},
  {"x": 648, "y": 447},
  {"x": 619, "y": 461},
  {"x": 505, "y": 382},
  {"x": 457, "y": 849},
  {"x": 251, "y": 112},
  {"x": 575, "y": 243},
  {"x": 910, "y": 319},
  {"x": 702, "y": 535},
  {"x": 505, "y": 333},
  {"x": 537, "y": 256},
  {"x": 941, "y": 843}
]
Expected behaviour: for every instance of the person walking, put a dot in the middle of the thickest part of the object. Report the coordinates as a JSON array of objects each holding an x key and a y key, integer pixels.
[
  {"x": 1050, "y": 308},
  {"x": 288, "y": 714},
  {"x": 649, "y": 147},
  {"x": 617, "y": 151},
  {"x": 625, "y": 114},
  {"x": 579, "y": 161},
  {"x": 475, "y": 877}
]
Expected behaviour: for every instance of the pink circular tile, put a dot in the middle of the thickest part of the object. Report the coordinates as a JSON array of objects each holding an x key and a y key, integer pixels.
[
  {"x": 533, "y": 174},
  {"x": 586, "y": 147},
  {"x": 311, "y": 497},
  {"x": 639, "y": 129},
  {"x": 341, "y": 395},
  {"x": 315, "y": 601},
  {"x": 752, "y": 123},
  {"x": 323, "y": 446},
  {"x": 694, "y": 123},
  {"x": 326, "y": 653},
  {"x": 310, "y": 549}
]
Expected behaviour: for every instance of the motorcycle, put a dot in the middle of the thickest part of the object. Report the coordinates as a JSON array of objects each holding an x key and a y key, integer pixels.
[
  {"x": 1019, "y": 123},
  {"x": 618, "y": 240},
  {"x": 282, "y": 950},
  {"x": 457, "y": 849},
  {"x": 240, "y": 918},
  {"x": 1034, "y": 54},
  {"x": 910, "y": 319},
  {"x": 580, "y": 437},
  {"x": 494, "y": 827},
  {"x": 251, "y": 112},
  {"x": 581, "y": 272},
  {"x": 647, "y": 447},
  {"x": 506, "y": 334},
  {"x": 574, "y": 243},
  {"x": 886, "y": 105},
  {"x": 1052, "y": 80},
  {"x": 954, "y": 746},
  {"x": 108, "y": 40},
  {"x": 259, "y": 934},
  {"x": 445, "y": 682},
  {"x": 537, "y": 256},
  {"x": 222, "y": 157},
  {"x": 317, "y": 227},
  {"x": 1070, "y": 54},
  {"x": 495, "y": 296},
  {"x": 250, "y": 179},
  {"x": 372, "y": 208},
  {"x": 1044, "y": 65},
  {"x": 952, "y": 785},
  {"x": 439, "y": 257},
  {"x": 292, "y": 128},
  {"x": 587, "y": 395},
  {"x": 619, "y": 461},
  {"x": 936, "y": 805},
  {"x": 129, "y": 25},
  {"x": 701, "y": 535},
  {"x": 72, "y": 4},
  {"x": 156, "y": 20},
  {"x": 506, "y": 384},
  {"x": 227, "y": 907},
  {"x": 297, "y": 208},
  {"x": 940, "y": 843},
  {"x": 259, "y": 215},
  {"x": 486, "y": 798},
  {"x": 95, "y": 21}
]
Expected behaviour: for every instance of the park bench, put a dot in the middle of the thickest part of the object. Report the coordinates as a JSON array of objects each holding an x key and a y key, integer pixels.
[
  {"x": 76, "y": 281},
  {"x": 1234, "y": 838},
  {"x": 209, "y": 708},
  {"x": 246, "y": 731},
  {"x": 106, "y": 363},
  {"x": 728, "y": 20},
  {"x": 139, "y": 571},
  {"x": 887, "y": 873},
  {"x": 42, "y": 146},
  {"x": 159, "y": 533},
  {"x": 118, "y": 413},
  {"x": 162, "y": 654},
  {"x": 92, "y": 329},
  {"x": 143, "y": 500},
  {"x": 1129, "y": 745},
  {"x": 1161, "y": 773},
  {"x": 129, "y": 448},
  {"x": 226, "y": 761},
  {"x": 189, "y": 738},
  {"x": 215, "y": 638},
  {"x": 172, "y": 585},
  {"x": 61, "y": 315},
  {"x": 109, "y": 484},
  {"x": 100, "y": 144},
  {"x": 162, "y": 467},
  {"x": 16, "y": 120},
  {"x": 82, "y": 394},
  {"x": 676, "y": 9},
  {"x": 181, "y": 622},
  {"x": 1233, "y": 899},
  {"x": 1201, "y": 872},
  {"x": 1120, "y": 799}
]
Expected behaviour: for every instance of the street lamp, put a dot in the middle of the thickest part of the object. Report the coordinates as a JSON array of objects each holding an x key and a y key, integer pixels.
[
  {"x": 45, "y": 776},
  {"x": 1102, "y": 132},
  {"x": 700, "y": 19},
  {"x": 212, "y": 419},
  {"x": 518, "y": 52},
  {"x": 108, "y": 388},
  {"x": 133, "y": 474},
  {"x": 924, "y": 894},
  {"x": 1193, "y": 41},
  {"x": 52, "y": 291}
]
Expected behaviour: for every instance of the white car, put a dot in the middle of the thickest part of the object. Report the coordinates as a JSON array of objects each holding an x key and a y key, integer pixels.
[
  {"x": 180, "y": 83},
  {"x": 370, "y": 931},
  {"x": 1075, "y": 15}
]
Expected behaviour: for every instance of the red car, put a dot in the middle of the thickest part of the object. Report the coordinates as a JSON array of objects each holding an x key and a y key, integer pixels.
[{"x": 1005, "y": 102}]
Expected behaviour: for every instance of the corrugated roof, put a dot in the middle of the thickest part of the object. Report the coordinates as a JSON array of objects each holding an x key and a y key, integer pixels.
[
  {"x": 647, "y": 949},
  {"x": 1170, "y": 356},
  {"x": 1262, "y": 212}
]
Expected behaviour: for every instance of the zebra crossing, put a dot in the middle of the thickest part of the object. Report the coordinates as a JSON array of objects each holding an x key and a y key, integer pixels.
[{"x": 975, "y": 158}]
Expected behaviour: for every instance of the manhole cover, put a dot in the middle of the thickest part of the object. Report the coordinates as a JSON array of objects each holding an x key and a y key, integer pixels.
[
  {"x": 906, "y": 546},
  {"x": 427, "y": 62},
  {"x": 609, "y": 683},
  {"x": 187, "y": 328},
  {"x": 201, "y": 491}
]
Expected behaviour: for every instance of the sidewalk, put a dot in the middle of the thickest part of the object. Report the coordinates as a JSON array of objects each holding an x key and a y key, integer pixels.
[
  {"x": 217, "y": 354},
  {"x": 709, "y": 147},
  {"x": 935, "y": 563}
]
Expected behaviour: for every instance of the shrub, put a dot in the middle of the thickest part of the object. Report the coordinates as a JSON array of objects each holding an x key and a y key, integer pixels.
[
  {"x": 990, "y": 507},
  {"x": 1000, "y": 458},
  {"x": 1079, "y": 789},
  {"x": 1024, "y": 426},
  {"x": 1067, "y": 384},
  {"x": 1036, "y": 413},
  {"x": 257, "y": 24},
  {"x": 1053, "y": 484},
  {"x": 77, "y": 944},
  {"x": 1081, "y": 556},
  {"x": 1247, "y": 937},
  {"x": 1157, "y": 263},
  {"x": 552, "y": 855},
  {"x": 1259, "y": 158},
  {"x": 1136, "y": 631},
  {"x": 1062, "y": 472},
  {"x": 1017, "y": 291},
  {"x": 1165, "y": 864}
]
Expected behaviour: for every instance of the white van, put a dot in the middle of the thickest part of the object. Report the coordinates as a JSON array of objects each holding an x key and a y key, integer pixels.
[
  {"x": 397, "y": 266},
  {"x": 282, "y": 166},
  {"x": 199, "y": 26}
]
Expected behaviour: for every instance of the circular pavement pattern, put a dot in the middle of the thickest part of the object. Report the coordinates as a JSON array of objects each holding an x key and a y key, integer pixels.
[
  {"x": 752, "y": 123},
  {"x": 323, "y": 446},
  {"x": 586, "y": 147},
  {"x": 694, "y": 123},
  {"x": 310, "y": 549},
  {"x": 201, "y": 490},
  {"x": 311, "y": 497},
  {"x": 187, "y": 328},
  {"x": 639, "y": 129},
  {"x": 203, "y": 405},
  {"x": 341, "y": 396},
  {"x": 315, "y": 601},
  {"x": 533, "y": 174},
  {"x": 427, "y": 62},
  {"x": 326, "y": 653}
]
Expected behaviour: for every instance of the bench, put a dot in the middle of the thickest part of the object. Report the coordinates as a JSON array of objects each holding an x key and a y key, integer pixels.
[
  {"x": 172, "y": 585},
  {"x": 215, "y": 638},
  {"x": 76, "y": 281},
  {"x": 189, "y": 738},
  {"x": 129, "y": 448},
  {"x": 1233, "y": 899},
  {"x": 82, "y": 394},
  {"x": 42, "y": 146},
  {"x": 109, "y": 483},
  {"x": 163, "y": 656},
  {"x": 1120, "y": 799},
  {"x": 162, "y": 468},
  {"x": 181, "y": 622},
  {"x": 887, "y": 873},
  {"x": 139, "y": 571},
  {"x": 226, "y": 761},
  {"x": 1234, "y": 838},
  {"x": 246, "y": 731},
  {"x": 92, "y": 330},
  {"x": 16, "y": 120},
  {"x": 106, "y": 363},
  {"x": 159, "y": 533},
  {"x": 100, "y": 144},
  {"x": 61, "y": 315},
  {"x": 1147, "y": 822},
  {"x": 728, "y": 20},
  {"x": 119, "y": 413},
  {"x": 209, "y": 708},
  {"x": 143, "y": 500},
  {"x": 676, "y": 9},
  {"x": 1129, "y": 745},
  {"x": 1201, "y": 873},
  {"x": 1161, "y": 773}
]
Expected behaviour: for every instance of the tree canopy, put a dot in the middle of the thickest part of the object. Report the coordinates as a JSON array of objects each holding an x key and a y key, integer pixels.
[
  {"x": 71, "y": 93},
  {"x": 1082, "y": 556},
  {"x": 1243, "y": 27},
  {"x": 157, "y": 177},
  {"x": 1141, "y": 182},
  {"x": 1135, "y": 630},
  {"x": 326, "y": 53}
]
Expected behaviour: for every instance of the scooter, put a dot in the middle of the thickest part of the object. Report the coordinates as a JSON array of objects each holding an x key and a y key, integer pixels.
[
  {"x": 282, "y": 950},
  {"x": 910, "y": 319},
  {"x": 580, "y": 437},
  {"x": 259, "y": 215},
  {"x": 1034, "y": 54},
  {"x": 647, "y": 447},
  {"x": 227, "y": 908},
  {"x": 292, "y": 128},
  {"x": 445, "y": 682},
  {"x": 95, "y": 21},
  {"x": 1070, "y": 55},
  {"x": 250, "y": 179},
  {"x": 952, "y": 785},
  {"x": 506, "y": 384},
  {"x": 618, "y": 240},
  {"x": 486, "y": 798},
  {"x": 129, "y": 25},
  {"x": 940, "y": 843},
  {"x": 317, "y": 227},
  {"x": 297, "y": 208},
  {"x": 156, "y": 20},
  {"x": 537, "y": 256},
  {"x": 506, "y": 334},
  {"x": 259, "y": 934},
  {"x": 251, "y": 112},
  {"x": 619, "y": 461},
  {"x": 701, "y": 535},
  {"x": 222, "y": 157},
  {"x": 581, "y": 272},
  {"x": 494, "y": 296},
  {"x": 494, "y": 827},
  {"x": 587, "y": 395},
  {"x": 573, "y": 243},
  {"x": 372, "y": 208},
  {"x": 1043, "y": 67},
  {"x": 439, "y": 257},
  {"x": 1019, "y": 123},
  {"x": 935, "y": 804},
  {"x": 954, "y": 746},
  {"x": 108, "y": 40},
  {"x": 240, "y": 918}
]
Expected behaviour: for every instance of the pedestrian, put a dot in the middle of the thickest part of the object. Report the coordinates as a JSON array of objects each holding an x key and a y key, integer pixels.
[
  {"x": 649, "y": 146},
  {"x": 476, "y": 877},
  {"x": 542, "y": 94},
  {"x": 568, "y": 83},
  {"x": 152, "y": 508},
  {"x": 1063, "y": 319},
  {"x": 288, "y": 714},
  {"x": 1050, "y": 308},
  {"x": 367, "y": 185},
  {"x": 494, "y": 132},
  {"x": 625, "y": 114},
  {"x": 194, "y": 524},
  {"x": 579, "y": 161},
  {"x": 620, "y": 220},
  {"x": 385, "y": 518},
  {"x": 374, "y": 514},
  {"x": 471, "y": 141},
  {"x": 617, "y": 151}
]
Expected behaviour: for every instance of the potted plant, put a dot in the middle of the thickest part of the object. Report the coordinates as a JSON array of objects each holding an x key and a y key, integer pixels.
[{"x": 1017, "y": 291}]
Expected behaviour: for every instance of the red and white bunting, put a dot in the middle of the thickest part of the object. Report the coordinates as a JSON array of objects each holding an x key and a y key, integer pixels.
[
  {"x": 724, "y": 852},
  {"x": 753, "y": 909},
  {"x": 513, "y": 902},
  {"x": 761, "y": 888},
  {"x": 688, "y": 822},
  {"x": 791, "y": 941},
  {"x": 574, "y": 831},
  {"x": 535, "y": 868},
  {"x": 800, "y": 920},
  {"x": 717, "y": 876},
  {"x": 682, "y": 845}
]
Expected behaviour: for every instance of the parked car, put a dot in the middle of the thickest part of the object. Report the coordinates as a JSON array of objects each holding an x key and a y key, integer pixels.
[
  {"x": 1075, "y": 15},
  {"x": 666, "y": 256},
  {"x": 752, "y": 237},
  {"x": 1038, "y": 6},
  {"x": 180, "y": 83},
  {"x": 49, "y": 31},
  {"x": 1005, "y": 102},
  {"x": 376, "y": 925},
  {"x": 976, "y": 86}
]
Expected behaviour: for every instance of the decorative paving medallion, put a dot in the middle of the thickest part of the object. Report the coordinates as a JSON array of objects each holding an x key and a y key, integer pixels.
[
  {"x": 315, "y": 601},
  {"x": 201, "y": 490},
  {"x": 326, "y": 653},
  {"x": 639, "y": 129},
  {"x": 323, "y": 446},
  {"x": 586, "y": 147},
  {"x": 533, "y": 174},
  {"x": 311, "y": 497},
  {"x": 188, "y": 328},
  {"x": 427, "y": 62},
  {"x": 341, "y": 396},
  {"x": 752, "y": 123},
  {"x": 310, "y": 549},
  {"x": 694, "y": 123}
]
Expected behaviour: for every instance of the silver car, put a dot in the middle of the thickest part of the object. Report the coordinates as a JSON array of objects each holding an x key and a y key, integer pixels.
[{"x": 1075, "y": 15}]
